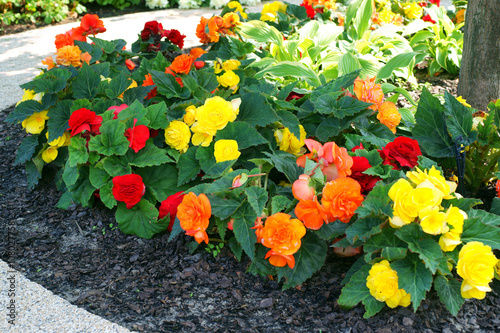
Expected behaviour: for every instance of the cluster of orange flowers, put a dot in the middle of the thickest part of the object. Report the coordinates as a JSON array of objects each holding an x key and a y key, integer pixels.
[
  {"x": 210, "y": 30},
  {"x": 67, "y": 53},
  {"x": 369, "y": 91}
]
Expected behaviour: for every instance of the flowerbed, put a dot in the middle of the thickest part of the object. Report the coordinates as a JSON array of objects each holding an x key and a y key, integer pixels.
[{"x": 279, "y": 142}]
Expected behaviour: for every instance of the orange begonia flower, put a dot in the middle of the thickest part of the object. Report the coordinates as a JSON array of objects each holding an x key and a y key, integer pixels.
[
  {"x": 369, "y": 91},
  {"x": 282, "y": 235},
  {"x": 339, "y": 161},
  {"x": 49, "y": 62},
  {"x": 182, "y": 64},
  {"x": 194, "y": 213},
  {"x": 258, "y": 225},
  {"x": 311, "y": 213},
  {"x": 389, "y": 115},
  {"x": 201, "y": 31},
  {"x": 197, "y": 52},
  {"x": 91, "y": 24},
  {"x": 215, "y": 23},
  {"x": 69, "y": 56},
  {"x": 280, "y": 260},
  {"x": 341, "y": 198},
  {"x": 63, "y": 40},
  {"x": 86, "y": 57}
]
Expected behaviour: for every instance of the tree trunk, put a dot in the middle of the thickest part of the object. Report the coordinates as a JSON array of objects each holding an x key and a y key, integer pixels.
[{"x": 480, "y": 68}]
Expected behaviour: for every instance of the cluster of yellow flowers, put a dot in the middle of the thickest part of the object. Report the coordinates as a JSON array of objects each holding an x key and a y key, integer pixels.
[
  {"x": 35, "y": 123},
  {"x": 50, "y": 153},
  {"x": 423, "y": 202},
  {"x": 270, "y": 11},
  {"x": 412, "y": 10},
  {"x": 237, "y": 8},
  {"x": 229, "y": 79},
  {"x": 289, "y": 142},
  {"x": 382, "y": 282},
  {"x": 476, "y": 265},
  {"x": 205, "y": 121}
]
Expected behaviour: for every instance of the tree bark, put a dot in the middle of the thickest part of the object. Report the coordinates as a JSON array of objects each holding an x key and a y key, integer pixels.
[{"x": 479, "y": 81}]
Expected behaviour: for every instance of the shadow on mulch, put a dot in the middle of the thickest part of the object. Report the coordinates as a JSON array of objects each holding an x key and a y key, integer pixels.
[{"x": 156, "y": 286}]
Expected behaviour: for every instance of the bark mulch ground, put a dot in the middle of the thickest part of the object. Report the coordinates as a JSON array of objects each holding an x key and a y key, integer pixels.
[{"x": 156, "y": 286}]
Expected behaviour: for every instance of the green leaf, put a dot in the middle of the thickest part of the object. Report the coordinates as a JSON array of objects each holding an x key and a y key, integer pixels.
[
  {"x": 141, "y": 220},
  {"x": 148, "y": 156},
  {"x": 50, "y": 82},
  {"x": 221, "y": 227},
  {"x": 116, "y": 166},
  {"x": 223, "y": 208},
  {"x": 111, "y": 141},
  {"x": 205, "y": 80},
  {"x": 188, "y": 165},
  {"x": 362, "y": 229},
  {"x": 484, "y": 216},
  {"x": 291, "y": 68},
  {"x": 331, "y": 127},
  {"x": 256, "y": 111},
  {"x": 257, "y": 197},
  {"x": 117, "y": 86},
  {"x": 244, "y": 220},
  {"x": 32, "y": 173},
  {"x": 176, "y": 230},
  {"x": 363, "y": 16},
  {"x": 106, "y": 194},
  {"x": 58, "y": 121},
  {"x": 209, "y": 165},
  {"x": 459, "y": 120},
  {"x": 348, "y": 63},
  {"x": 413, "y": 277},
  {"x": 286, "y": 164},
  {"x": 449, "y": 293},
  {"x": 168, "y": 86},
  {"x": 82, "y": 190},
  {"x": 261, "y": 32},
  {"x": 236, "y": 248},
  {"x": 156, "y": 114},
  {"x": 23, "y": 110},
  {"x": 290, "y": 121},
  {"x": 70, "y": 174},
  {"x": 136, "y": 94},
  {"x": 464, "y": 204},
  {"x": 86, "y": 84},
  {"x": 308, "y": 260},
  {"x": 279, "y": 203},
  {"x": 430, "y": 130},
  {"x": 78, "y": 153},
  {"x": 243, "y": 133},
  {"x": 355, "y": 290},
  {"x": 160, "y": 180},
  {"x": 98, "y": 177},
  {"x": 495, "y": 206},
  {"x": 475, "y": 230},
  {"x": 377, "y": 202},
  {"x": 375, "y": 133},
  {"x": 26, "y": 149},
  {"x": 393, "y": 253},
  {"x": 65, "y": 201},
  {"x": 331, "y": 230},
  {"x": 372, "y": 306},
  {"x": 384, "y": 239},
  {"x": 399, "y": 61}
]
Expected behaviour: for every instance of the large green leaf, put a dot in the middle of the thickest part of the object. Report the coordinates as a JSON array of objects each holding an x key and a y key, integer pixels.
[
  {"x": 78, "y": 153},
  {"x": 257, "y": 197},
  {"x": 384, "y": 239},
  {"x": 117, "y": 86},
  {"x": 449, "y": 293},
  {"x": 188, "y": 165},
  {"x": 82, "y": 190},
  {"x": 362, "y": 20},
  {"x": 348, "y": 63},
  {"x": 148, "y": 156},
  {"x": 116, "y": 166},
  {"x": 26, "y": 149},
  {"x": 241, "y": 132},
  {"x": 156, "y": 114},
  {"x": 168, "y": 86},
  {"x": 286, "y": 164},
  {"x": 261, "y": 32},
  {"x": 399, "y": 61},
  {"x": 331, "y": 230},
  {"x": 23, "y": 110},
  {"x": 244, "y": 220},
  {"x": 70, "y": 174},
  {"x": 413, "y": 277},
  {"x": 49, "y": 82},
  {"x": 279, "y": 203},
  {"x": 160, "y": 180},
  {"x": 290, "y": 121},
  {"x": 428, "y": 249},
  {"x": 308, "y": 260},
  {"x": 209, "y": 165},
  {"x": 141, "y": 220},
  {"x": 33, "y": 173},
  {"x": 484, "y": 216},
  {"x": 86, "y": 84},
  {"x": 377, "y": 202},
  {"x": 296, "y": 69},
  {"x": 459, "y": 120},
  {"x": 58, "y": 121},
  {"x": 355, "y": 290},
  {"x": 362, "y": 229},
  {"x": 256, "y": 111},
  {"x": 223, "y": 208},
  {"x": 98, "y": 177},
  {"x": 475, "y": 230},
  {"x": 430, "y": 129},
  {"x": 111, "y": 141}
]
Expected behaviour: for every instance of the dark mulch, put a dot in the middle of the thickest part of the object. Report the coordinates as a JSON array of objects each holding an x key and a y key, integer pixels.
[{"x": 156, "y": 286}]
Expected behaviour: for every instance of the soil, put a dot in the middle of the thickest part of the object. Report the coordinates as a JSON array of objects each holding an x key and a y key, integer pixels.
[{"x": 157, "y": 286}]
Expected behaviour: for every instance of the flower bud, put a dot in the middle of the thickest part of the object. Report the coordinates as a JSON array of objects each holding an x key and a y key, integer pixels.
[{"x": 301, "y": 188}]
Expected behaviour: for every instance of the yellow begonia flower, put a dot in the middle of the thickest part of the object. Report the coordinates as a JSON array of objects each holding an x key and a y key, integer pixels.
[
  {"x": 190, "y": 115},
  {"x": 398, "y": 192},
  {"x": 177, "y": 135},
  {"x": 226, "y": 150},
  {"x": 412, "y": 10},
  {"x": 215, "y": 113},
  {"x": 289, "y": 142},
  {"x": 382, "y": 282},
  {"x": 49, "y": 154},
  {"x": 62, "y": 141},
  {"x": 31, "y": 95},
  {"x": 231, "y": 65},
  {"x": 35, "y": 123},
  {"x": 455, "y": 220},
  {"x": 238, "y": 9},
  {"x": 270, "y": 10},
  {"x": 434, "y": 176},
  {"x": 463, "y": 101},
  {"x": 200, "y": 136},
  {"x": 229, "y": 79},
  {"x": 449, "y": 241},
  {"x": 476, "y": 265},
  {"x": 217, "y": 67},
  {"x": 433, "y": 221}
]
